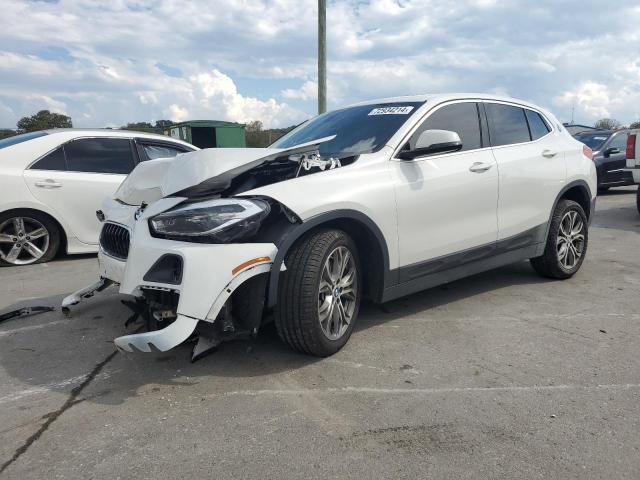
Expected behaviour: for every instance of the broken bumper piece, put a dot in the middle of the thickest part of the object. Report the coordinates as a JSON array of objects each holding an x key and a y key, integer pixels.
[
  {"x": 159, "y": 340},
  {"x": 86, "y": 292}
]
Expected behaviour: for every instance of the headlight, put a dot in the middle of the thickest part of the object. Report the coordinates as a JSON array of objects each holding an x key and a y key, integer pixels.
[{"x": 217, "y": 221}]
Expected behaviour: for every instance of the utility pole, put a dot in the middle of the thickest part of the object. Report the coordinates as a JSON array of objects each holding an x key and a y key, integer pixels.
[
  {"x": 573, "y": 109},
  {"x": 322, "y": 56}
]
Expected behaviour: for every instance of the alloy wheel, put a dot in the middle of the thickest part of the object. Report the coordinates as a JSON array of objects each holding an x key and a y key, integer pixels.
[
  {"x": 23, "y": 240},
  {"x": 570, "y": 241},
  {"x": 338, "y": 293}
]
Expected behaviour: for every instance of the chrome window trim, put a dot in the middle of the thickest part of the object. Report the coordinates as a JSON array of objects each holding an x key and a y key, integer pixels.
[{"x": 468, "y": 100}]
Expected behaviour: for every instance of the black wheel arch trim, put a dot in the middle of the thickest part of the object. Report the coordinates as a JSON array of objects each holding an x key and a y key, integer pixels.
[
  {"x": 590, "y": 199},
  {"x": 296, "y": 231}
]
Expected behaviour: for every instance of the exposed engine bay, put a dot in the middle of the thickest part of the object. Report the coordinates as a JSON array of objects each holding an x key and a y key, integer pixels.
[{"x": 266, "y": 172}]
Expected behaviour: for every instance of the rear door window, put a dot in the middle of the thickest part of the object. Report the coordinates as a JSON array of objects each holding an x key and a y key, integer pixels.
[
  {"x": 537, "y": 125},
  {"x": 52, "y": 161},
  {"x": 507, "y": 124},
  {"x": 100, "y": 155},
  {"x": 461, "y": 118}
]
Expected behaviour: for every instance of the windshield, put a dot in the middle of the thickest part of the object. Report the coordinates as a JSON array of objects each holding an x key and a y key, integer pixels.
[
  {"x": 593, "y": 140},
  {"x": 362, "y": 129},
  {"x": 7, "y": 142}
]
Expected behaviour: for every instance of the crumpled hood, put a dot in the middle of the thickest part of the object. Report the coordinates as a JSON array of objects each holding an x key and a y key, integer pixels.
[{"x": 154, "y": 179}]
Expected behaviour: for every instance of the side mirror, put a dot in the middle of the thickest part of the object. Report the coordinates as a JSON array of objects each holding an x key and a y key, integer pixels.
[
  {"x": 431, "y": 142},
  {"x": 611, "y": 151}
]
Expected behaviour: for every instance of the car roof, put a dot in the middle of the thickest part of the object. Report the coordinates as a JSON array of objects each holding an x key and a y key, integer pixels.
[
  {"x": 108, "y": 132},
  {"x": 442, "y": 97}
]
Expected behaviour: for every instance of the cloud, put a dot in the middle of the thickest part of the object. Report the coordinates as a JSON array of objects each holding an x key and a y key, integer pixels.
[
  {"x": 7, "y": 116},
  {"x": 308, "y": 91},
  {"x": 122, "y": 61},
  {"x": 593, "y": 98}
]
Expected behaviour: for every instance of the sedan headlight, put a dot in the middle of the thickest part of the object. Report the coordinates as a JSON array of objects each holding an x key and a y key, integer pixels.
[{"x": 217, "y": 221}]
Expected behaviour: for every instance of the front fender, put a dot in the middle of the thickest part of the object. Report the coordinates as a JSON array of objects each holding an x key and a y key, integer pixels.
[{"x": 295, "y": 231}]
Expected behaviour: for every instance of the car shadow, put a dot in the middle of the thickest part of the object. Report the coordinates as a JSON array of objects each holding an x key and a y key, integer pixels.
[{"x": 47, "y": 356}]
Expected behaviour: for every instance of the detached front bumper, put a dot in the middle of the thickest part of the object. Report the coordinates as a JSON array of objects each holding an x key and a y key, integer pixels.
[{"x": 208, "y": 275}]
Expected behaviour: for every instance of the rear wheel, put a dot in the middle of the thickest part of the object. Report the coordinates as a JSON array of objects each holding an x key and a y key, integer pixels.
[
  {"x": 27, "y": 238},
  {"x": 319, "y": 296},
  {"x": 638, "y": 199},
  {"x": 566, "y": 244}
]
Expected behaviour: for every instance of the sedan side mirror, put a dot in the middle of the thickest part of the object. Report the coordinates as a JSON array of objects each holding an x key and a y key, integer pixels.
[
  {"x": 611, "y": 151},
  {"x": 431, "y": 142}
]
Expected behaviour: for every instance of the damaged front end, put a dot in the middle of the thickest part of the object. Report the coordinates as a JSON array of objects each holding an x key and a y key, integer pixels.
[
  {"x": 197, "y": 261},
  {"x": 239, "y": 317}
]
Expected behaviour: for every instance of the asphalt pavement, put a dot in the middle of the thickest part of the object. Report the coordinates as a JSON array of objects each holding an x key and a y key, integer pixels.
[{"x": 500, "y": 375}]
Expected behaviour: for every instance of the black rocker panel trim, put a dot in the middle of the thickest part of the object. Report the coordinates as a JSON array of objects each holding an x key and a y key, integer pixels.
[
  {"x": 417, "y": 270},
  {"x": 434, "y": 279}
]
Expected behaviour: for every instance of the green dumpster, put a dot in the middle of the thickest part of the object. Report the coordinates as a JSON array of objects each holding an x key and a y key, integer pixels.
[{"x": 209, "y": 133}]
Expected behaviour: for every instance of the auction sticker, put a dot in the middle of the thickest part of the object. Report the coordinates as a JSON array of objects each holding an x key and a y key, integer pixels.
[{"x": 391, "y": 111}]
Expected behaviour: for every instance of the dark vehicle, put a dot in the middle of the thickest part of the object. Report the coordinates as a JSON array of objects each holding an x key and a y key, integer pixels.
[{"x": 609, "y": 154}]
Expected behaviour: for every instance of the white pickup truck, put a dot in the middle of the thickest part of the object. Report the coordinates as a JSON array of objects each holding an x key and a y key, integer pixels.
[{"x": 633, "y": 159}]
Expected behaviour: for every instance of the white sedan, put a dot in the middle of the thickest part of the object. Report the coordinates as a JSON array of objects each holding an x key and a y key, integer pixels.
[{"x": 53, "y": 181}]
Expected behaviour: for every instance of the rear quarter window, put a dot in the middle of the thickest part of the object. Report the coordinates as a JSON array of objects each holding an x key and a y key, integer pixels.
[
  {"x": 537, "y": 125},
  {"x": 52, "y": 161}
]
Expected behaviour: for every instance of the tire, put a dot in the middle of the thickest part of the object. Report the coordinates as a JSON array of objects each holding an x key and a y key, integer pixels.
[
  {"x": 305, "y": 315},
  {"x": 47, "y": 242},
  {"x": 553, "y": 263},
  {"x": 638, "y": 199},
  {"x": 603, "y": 189}
]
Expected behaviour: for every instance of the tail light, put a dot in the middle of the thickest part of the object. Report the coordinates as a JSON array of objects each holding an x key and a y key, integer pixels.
[
  {"x": 587, "y": 152},
  {"x": 631, "y": 146}
]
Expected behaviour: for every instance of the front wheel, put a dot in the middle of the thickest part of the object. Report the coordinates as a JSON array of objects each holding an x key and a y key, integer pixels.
[
  {"x": 566, "y": 244},
  {"x": 27, "y": 238},
  {"x": 319, "y": 297}
]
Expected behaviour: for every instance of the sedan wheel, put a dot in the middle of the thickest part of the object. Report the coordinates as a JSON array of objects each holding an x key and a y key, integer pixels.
[{"x": 26, "y": 240}]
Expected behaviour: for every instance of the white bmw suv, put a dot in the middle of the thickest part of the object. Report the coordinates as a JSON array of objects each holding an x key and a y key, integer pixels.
[{"x": 377, "y": 200}]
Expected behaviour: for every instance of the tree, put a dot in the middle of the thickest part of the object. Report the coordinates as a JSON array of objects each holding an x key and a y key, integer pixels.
[
  {"x": 608, "y": 124},
  {"x": 139, "y": 127},
  {"x": 43, "y": 120},
  {"x": 6, "y": 133},
  {"x": 255, "y": 126},
  {"x": 160, "y": 124},
  {"x": 635, "y": 124}
]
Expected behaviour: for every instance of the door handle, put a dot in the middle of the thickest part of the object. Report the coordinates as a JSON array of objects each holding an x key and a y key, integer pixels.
[
  {"x": 548, "y": 153},
  {"x": 48, "y": 183},
  {"x": 479, "y": 167}
]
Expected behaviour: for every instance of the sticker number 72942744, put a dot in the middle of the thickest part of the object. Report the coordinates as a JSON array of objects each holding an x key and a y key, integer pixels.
[{"x": 400, "y": 110}]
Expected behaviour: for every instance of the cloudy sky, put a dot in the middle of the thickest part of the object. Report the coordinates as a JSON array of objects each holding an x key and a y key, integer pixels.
[{"x": 106, "y": 63}]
